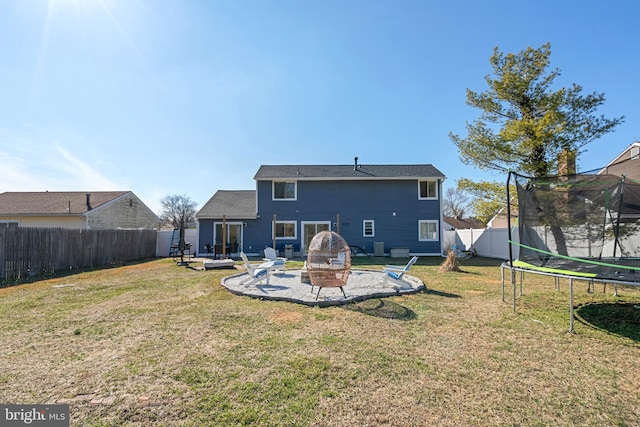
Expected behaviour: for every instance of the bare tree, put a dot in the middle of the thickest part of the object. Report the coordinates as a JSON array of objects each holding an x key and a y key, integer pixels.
[
  {"x": 178, "y": 211},
  {"x": 455, "y": 203}
]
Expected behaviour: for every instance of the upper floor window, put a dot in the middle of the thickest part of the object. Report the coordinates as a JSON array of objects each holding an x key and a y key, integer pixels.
[
  {"x": 286, "y": 230},
  {"x": 428, "y": 189},
  {"x": 368, "y": 228},
  {"x": 284, "y": 190},
  {"x": 427, "y": 230}
]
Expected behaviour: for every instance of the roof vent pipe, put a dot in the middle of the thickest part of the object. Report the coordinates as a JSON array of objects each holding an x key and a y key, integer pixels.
[
  {"x": 355, "y": 163},
  {"x": 89, "y": 201}
]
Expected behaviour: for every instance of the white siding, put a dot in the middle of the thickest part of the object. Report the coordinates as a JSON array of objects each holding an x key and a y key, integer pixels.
[{"x": 71, "y": 221}]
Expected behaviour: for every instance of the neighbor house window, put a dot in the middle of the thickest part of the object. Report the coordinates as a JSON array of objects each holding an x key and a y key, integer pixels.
[
  {"x": 286, "y": 230},
  {"x": 284, "y": 190},
  {"x": 368, "y": 228},
  {"x": 427, "y": 230},
  {"x": 428, "y": 189}
]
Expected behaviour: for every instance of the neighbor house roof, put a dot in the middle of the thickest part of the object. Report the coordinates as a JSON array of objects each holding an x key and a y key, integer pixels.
[
  {"x": 499, "y": 220},
  {"x": 54, "y": 202},
  {"x": 347, "y": 172},
  {"x": 462, "y": 223},
  {"x": 626, "y": 163},
  {"x": 232, "y": 204}
]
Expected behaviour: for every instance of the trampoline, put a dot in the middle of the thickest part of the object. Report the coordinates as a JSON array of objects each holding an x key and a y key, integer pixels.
[{"x": 584, "y": 226}]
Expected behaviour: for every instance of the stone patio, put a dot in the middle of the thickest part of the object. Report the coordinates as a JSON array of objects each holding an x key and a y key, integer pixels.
[{"x": 361, "y": 285}]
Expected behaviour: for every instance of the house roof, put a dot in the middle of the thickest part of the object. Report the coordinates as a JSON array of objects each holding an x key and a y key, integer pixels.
[
  {"x": 347, "y": 172},
  {"x": 54, "y": 202},
  {"x": 232, "y": 204},
  {"x": 625, "y": 164},
  {"x": 499, "y": 220},
  {"x": 462, "y": 223}
]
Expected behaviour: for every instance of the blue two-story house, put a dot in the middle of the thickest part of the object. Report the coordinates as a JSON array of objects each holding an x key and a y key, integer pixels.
[{"x": 374, "y": 207}]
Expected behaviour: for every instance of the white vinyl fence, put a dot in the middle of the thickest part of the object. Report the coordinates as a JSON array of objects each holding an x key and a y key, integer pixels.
[
  {"x": 488, "y": 242},
  {"x": 163, "y": 243}
]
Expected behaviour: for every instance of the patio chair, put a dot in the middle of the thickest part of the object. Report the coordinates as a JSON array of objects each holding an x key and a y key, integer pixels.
[
  {"x": 278, "y": 262},
  {"x": 338, "y": 261},
  {"x": 256, "y": 273},
  {"x": 396, "y": 272}
]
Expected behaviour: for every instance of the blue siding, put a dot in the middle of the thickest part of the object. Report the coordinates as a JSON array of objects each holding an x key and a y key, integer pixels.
[
  {"x": 205, "y": 235},
  {"x": 355, "y": 201},
  {"x": 351, "y": 201}
]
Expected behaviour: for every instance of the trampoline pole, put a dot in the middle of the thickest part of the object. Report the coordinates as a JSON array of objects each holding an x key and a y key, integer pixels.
[
  {"x": 570, "y": 306},
  {"x": 513, "y": 273},
  {"x": 616, "y": 229},
  {"x": 509, "y": 221},
  {"x": 502, "y": 279},
  {"x": 521, "y": 280},
  {"x": 513, "y": 283}
]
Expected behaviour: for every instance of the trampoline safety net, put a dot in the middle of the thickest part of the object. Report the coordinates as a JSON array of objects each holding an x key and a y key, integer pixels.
[{"x": 585, "y": 223}]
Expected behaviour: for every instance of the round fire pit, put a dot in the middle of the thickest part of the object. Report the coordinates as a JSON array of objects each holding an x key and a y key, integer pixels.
[{"x": 329, "y": 261}]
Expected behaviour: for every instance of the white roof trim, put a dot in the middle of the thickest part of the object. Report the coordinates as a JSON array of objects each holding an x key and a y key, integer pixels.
[{"x": 618, "y": 158}]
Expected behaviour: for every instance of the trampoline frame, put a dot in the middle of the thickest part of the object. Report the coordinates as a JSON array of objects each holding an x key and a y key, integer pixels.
[
  {"x": 557, "y": 276},
  {"x": 571, "y": 276}
]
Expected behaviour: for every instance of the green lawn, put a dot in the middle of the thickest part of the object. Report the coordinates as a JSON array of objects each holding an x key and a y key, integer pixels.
[{"x": 158, "y": 344}]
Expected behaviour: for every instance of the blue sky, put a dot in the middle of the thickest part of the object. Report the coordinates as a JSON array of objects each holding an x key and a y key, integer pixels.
[{"x": 188, "y": 97}]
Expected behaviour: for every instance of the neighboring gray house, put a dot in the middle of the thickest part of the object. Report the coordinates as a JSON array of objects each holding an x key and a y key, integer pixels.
[
  {"x": 76, "y": 209},
  {"x": 374, "y": 207}
]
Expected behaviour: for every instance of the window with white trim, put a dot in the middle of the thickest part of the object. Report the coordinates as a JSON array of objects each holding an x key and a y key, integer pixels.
[
  {"x": 427, "y": 230},
  {"x": 428, "y": 189},
  {"x": 286, "y": 230},
  {"x": 368, "y": 228},
  {"x": 284, "y": 190}
]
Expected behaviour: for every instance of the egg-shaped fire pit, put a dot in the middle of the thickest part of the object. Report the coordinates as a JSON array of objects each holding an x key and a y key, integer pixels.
[{"x": 329, "y": 261}]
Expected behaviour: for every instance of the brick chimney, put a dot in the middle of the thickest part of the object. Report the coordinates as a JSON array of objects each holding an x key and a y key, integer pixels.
[{"x": 567, "y": 162}]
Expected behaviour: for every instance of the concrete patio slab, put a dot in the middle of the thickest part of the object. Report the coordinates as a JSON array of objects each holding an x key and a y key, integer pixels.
[{"x": 287, "y": 286}]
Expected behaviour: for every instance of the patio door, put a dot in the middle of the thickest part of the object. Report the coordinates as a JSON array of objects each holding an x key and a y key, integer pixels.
[
  {"x": 310, "y": 229},
  {"x": 233, "y": 236}
]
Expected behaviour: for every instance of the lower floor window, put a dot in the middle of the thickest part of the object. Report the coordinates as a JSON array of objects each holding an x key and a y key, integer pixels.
[
  {"x": 427, "y": 230},
  {"x": 368, "y": 228},
  {"x": 286, "y": 230}
]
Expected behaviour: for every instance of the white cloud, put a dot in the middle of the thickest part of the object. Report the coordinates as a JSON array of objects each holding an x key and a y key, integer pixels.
[
  {"x": 30, "y": 165},
  {"x": 73, "y": 169}
]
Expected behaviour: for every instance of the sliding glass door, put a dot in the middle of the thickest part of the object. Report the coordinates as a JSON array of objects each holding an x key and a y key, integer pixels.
[{"x": 310, "y": 229}]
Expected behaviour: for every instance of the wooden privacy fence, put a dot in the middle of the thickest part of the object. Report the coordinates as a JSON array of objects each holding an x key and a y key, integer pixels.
[{"x": 28, "y": 252}]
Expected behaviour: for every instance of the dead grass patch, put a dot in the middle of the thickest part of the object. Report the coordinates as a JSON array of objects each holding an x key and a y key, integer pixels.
[
  {"x": 287, "y": 317},
  {"x": 165, "y": 345}
]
